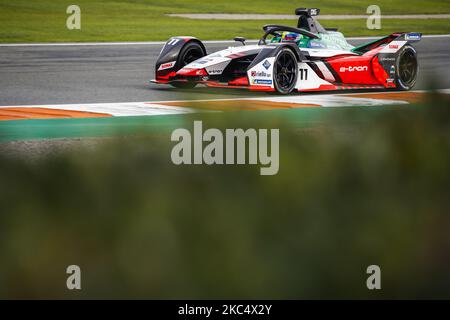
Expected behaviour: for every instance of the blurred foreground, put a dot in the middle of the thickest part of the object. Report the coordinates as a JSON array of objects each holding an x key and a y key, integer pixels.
[{"x": 349, "y": 194}]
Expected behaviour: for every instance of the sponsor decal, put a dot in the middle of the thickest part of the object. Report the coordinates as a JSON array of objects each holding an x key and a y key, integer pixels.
[
  {"x": 167, "y": 65},
  {"x": 394, "y": 46},
  {"x": 387, "y": 59},
  {"x": 267, "y": 64},
  {"x": 413, "y": 36},
  {"x": 314, "y": 11},
  {"x": 261, "y": 74},
  {"x": 352, "y": 69},
  {"x": 204, "y": 61},
  {"x": 211, "y": 72},
  {"x": 262, "y": 81},
  {"x": 315, "y": 44},
  {"x": 392, "y": 71}
]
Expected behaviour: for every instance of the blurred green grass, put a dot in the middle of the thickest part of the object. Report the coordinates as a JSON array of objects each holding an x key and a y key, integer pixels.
[
  {"x": 121, "y": 20},
  {"x": 349, "y": 194}
]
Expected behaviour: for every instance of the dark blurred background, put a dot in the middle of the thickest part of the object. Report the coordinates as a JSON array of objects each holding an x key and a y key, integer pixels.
[{"x": 361, "y": 188}]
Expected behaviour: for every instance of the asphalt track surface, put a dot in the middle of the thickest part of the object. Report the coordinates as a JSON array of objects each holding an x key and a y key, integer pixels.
[{"x": 31, "y": 75}]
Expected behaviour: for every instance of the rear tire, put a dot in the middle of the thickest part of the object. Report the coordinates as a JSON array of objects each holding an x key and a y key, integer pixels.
[
  {"x": 285, "y": 71},
  {"x": 407, "y": 68},
  {"x": 191, "y": 51}
]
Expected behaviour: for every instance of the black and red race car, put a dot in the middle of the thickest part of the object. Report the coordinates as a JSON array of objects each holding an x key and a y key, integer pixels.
[{"x": 286, "y": 59}]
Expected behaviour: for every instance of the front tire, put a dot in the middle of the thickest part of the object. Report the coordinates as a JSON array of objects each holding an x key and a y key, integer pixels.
[
  {"x": 191, "y": 51},
  {"x": 285, "y": 71},
  {"x": 407, "y": 68}
]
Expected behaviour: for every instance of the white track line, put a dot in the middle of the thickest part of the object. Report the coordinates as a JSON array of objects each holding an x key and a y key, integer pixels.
[
  {"x": 69, "y": 44},
  {"x": 243, "y": 16},
  {"x": 159, "y": 43}
]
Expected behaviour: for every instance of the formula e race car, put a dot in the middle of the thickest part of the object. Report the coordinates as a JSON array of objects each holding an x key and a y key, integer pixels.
[{"x": 286, "y": 59}]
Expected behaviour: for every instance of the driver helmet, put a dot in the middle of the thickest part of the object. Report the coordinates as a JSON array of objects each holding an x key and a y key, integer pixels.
[{"x": 290, "y": 37}]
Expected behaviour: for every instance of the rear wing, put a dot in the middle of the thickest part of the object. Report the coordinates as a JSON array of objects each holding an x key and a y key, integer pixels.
[{"x": 399, "y": 37}]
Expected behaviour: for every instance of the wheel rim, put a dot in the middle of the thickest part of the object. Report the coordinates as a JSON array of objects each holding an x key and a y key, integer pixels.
[
  {"x": 191, "y": 55},
  {"x": 408, "y": 68},
  {"x": 285, "y": 67}
]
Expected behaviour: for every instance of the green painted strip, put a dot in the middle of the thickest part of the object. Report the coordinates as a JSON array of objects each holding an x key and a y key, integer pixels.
[{"x": 84, "y": 127}]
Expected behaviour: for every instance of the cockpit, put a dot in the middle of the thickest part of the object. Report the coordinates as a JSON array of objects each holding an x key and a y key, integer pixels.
[{"x": 309, "y": 33}]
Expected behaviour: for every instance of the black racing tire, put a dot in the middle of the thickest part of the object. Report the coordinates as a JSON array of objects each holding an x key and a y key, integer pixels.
[
  {"x": 407, "y": 68},
  {"x": 189, "y": 53},
  {"x": 285, "y": 71}
]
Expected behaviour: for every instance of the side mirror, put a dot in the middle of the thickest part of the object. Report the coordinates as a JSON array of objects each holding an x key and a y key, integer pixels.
[{"x": 240, "y": 39}]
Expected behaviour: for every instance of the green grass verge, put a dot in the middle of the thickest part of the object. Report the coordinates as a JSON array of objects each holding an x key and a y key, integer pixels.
[{"x": 45, "y": 20}]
